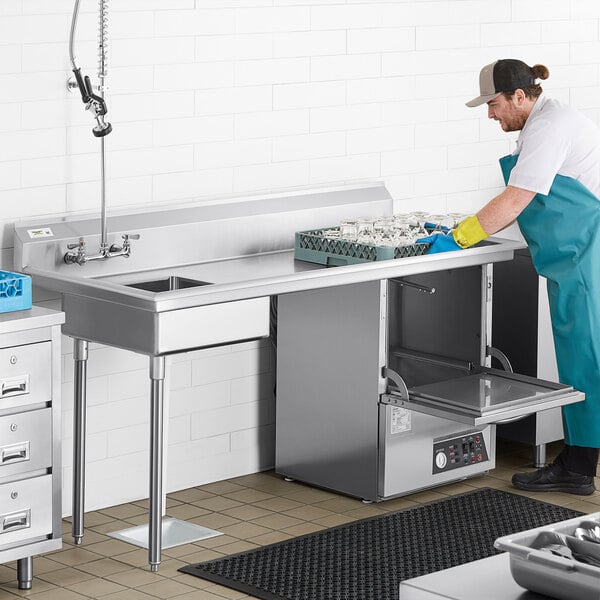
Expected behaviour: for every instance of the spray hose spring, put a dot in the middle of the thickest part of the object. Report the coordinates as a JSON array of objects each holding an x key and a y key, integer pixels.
[{"x": 103, "y": 43}]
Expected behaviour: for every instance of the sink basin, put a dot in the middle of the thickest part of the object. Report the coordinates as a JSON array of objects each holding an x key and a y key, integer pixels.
[{"x": 167, "y": 285}]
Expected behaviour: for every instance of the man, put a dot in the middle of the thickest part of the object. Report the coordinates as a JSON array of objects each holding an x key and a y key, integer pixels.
[{"x": 552, "y": 190}]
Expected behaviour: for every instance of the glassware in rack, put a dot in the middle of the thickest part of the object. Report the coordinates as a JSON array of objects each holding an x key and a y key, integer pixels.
[
  {"x": 440, "y": 222},
  {"x": 365, "y": 230},
  {"x": 348, "y": 229},
  {"x": 401, "y": 229},
  {"x": 456, "y": 217},
  {"x": 419, "y": 218},
  {"x": 404, "y": 229},
  {"x": 332, "y": 234}
]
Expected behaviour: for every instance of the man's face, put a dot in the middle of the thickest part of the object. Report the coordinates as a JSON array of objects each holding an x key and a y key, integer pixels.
[{"x": 508, "y": 112}]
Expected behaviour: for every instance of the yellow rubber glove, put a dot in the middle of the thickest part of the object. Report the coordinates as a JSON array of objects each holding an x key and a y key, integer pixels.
[{"x": 469, "y": 232}]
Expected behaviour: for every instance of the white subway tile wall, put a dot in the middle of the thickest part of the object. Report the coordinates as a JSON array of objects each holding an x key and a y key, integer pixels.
[{"x": 214, "y": 97}]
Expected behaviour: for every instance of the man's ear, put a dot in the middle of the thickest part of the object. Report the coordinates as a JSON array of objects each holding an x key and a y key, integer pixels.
[{"x": 519, "y": 97}]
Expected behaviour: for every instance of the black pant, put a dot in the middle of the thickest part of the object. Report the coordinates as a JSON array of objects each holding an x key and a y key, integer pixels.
[{"x": 579, "y": 459}]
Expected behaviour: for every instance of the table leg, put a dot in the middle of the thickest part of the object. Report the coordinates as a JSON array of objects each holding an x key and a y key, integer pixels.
[
  {"x": 539, "y": 456},
  {"x": 80, "y": 356},
  {"x": 25, "y": 572},
  {"x": 157, "y": 376}
]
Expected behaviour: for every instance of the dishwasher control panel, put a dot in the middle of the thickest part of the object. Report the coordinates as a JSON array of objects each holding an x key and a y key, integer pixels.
[{"x": 457, "y": 452}]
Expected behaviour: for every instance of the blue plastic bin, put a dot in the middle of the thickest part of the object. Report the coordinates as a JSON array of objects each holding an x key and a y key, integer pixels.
[{"x": 15, "y": 292}]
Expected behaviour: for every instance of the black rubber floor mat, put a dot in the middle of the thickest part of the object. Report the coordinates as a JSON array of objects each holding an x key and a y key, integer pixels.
[{"x": 367, "y": 559}]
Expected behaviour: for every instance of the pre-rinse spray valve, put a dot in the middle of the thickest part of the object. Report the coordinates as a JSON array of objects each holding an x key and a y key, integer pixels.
[{"x": 94, "y": 103}]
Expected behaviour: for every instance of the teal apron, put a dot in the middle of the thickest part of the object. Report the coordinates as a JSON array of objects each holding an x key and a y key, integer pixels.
[{"x": 562, "y": 231}]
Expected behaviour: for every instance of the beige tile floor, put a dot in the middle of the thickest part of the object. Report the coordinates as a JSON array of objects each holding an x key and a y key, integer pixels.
[{"x": 251, "y": 511}]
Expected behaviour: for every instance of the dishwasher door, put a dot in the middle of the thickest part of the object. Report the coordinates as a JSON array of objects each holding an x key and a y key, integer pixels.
[
  {"x": 440, "y": 352},
  {"x": 485, "y": 396}
]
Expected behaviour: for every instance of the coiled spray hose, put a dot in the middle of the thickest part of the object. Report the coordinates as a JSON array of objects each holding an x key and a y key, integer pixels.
[
  {"x": 103, "y": 45},
  {"x": 93, "y": 102}
]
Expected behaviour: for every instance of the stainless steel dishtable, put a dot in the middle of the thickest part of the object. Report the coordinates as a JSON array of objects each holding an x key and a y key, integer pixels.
[{"x": 242, "y": 247}]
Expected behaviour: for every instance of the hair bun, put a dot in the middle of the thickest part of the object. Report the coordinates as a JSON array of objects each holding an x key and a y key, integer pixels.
[{"x": 540, "y": 72}]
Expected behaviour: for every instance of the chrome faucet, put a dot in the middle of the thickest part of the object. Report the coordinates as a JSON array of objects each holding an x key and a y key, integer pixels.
[{"x": 76, "y": 253}]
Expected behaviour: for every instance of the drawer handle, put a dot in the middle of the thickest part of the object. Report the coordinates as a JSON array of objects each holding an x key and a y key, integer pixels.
[
  {"x": 14, "y": 453},
  {"x": 14, "y": 521},
  {"x": 14, "y": 386}
]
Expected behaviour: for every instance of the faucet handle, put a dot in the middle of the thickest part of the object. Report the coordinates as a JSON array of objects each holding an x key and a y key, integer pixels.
[
  {"x": 78, "y": 257},
  {"x": 80, "y": 245},
  {"x": 126, "y": 249}
]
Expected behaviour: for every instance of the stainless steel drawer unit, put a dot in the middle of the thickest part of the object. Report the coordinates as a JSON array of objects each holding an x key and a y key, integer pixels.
[{"x": 30, "y": 439}]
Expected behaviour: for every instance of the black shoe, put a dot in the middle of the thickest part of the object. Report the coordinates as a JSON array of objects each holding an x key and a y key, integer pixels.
[{"x": 554, "y": 478}]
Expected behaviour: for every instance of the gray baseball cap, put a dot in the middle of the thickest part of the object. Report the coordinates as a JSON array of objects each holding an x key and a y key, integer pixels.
[{"x": 505, "y": 75}]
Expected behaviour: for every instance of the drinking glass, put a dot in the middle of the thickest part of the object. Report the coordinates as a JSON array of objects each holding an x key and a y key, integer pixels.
[
  {"x": 364, "y": 230},
  {"x": 348, "y": 229},
  {"x": 404, "y": 229},
  {"x": 440, "y": 222},
  {"x": 332, "y": 234},
  {"x": 383, "y": 231},
  {"x": 419, "y": 218},
  {"x": 456, "y": 218}
]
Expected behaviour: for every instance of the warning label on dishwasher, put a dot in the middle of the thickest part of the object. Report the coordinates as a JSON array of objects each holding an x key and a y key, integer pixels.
[{"x": 400, "y": 420}]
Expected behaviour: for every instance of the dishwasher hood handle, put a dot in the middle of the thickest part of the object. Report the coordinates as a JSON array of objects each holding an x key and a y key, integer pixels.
[
  {"x": 399, "y": 386},
  {"x": 501, "y": 358}
]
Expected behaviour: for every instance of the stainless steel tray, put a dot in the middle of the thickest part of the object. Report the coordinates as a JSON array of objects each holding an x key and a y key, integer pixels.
[
  {"x": 486, "y": 396},
  {"x": 487, "y": 391}
]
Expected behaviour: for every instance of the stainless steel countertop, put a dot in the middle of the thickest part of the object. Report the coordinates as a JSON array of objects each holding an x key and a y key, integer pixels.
[
  {"x": 243, "y": 247},
  {"x": 36, "y": 316},
  {"x": 260, "y": 275}
]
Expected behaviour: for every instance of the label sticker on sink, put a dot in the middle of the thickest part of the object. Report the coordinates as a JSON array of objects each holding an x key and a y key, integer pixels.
[{"x": 42, "y": 232}]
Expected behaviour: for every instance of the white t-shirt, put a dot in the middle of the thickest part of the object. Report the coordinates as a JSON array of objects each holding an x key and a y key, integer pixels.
[{"x": 556, "y": 140}]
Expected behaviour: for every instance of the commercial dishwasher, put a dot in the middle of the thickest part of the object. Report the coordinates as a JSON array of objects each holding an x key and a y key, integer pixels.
[{"x": 385, "y": 387}]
